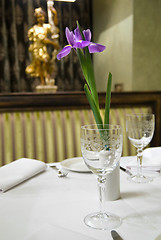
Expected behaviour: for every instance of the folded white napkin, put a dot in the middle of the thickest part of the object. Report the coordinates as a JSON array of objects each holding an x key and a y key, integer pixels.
[
  {"x": 19, "y": 171},
  {"x": 152, "y": 156}
]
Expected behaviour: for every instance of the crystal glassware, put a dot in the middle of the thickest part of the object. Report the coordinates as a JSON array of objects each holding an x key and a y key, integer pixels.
[
  {"x": 101, "y": 150},
  {"x": 140, "y": 130}
]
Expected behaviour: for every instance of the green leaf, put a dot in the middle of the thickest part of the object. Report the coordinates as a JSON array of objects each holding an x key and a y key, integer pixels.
[
  {"x": 86, "y": 62},
  {"x": 108, "y": 100},
  {"x": 91, "y": 77},
  {"x": 87, "y": 69},
  {"x": 94, "y": 108},
  {"x": 82, "y": 61}
]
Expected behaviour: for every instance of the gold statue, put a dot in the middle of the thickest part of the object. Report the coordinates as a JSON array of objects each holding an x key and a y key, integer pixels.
[{"x": 42, "y": 65}]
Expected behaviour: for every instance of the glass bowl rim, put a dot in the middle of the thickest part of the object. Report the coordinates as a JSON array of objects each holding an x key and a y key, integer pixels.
[{"x": 95, "y": 127}]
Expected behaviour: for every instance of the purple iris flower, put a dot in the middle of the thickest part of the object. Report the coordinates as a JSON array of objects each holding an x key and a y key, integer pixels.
[{"x": 75, "y": 41}]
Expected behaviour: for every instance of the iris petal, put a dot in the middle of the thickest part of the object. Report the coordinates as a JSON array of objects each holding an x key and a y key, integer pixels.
[
  {"x": 64, "y": 52},
  {"x": 87, "y": 35},
  {"x": 95, "y": 47},
  {"x": 81, "y": 44},
  {"x": 77, "y": 33},
  {"x": 70, "y": 36}
]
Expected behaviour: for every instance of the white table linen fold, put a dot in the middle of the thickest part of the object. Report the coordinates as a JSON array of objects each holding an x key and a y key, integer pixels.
[
  {"x": 57, "y": 233},
  {"x": 18, "y": 171}
]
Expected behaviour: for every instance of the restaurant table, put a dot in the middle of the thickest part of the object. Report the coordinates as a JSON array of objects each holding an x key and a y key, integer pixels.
[{"x": 47, "y": 207}]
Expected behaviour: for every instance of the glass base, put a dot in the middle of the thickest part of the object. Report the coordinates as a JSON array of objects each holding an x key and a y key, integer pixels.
[
  {"x": 102, "y": 221},
  {"x": 140, "y": 179}
]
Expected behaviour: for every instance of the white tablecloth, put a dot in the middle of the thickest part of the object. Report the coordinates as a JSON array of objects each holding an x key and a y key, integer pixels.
[{"x": 45, "y": 206}]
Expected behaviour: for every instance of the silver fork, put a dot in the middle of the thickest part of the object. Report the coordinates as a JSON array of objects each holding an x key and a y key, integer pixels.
[{"x": 61, "y": 172}]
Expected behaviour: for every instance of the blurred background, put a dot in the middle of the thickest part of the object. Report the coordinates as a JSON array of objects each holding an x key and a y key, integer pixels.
[{"x": 130, "y": 29}]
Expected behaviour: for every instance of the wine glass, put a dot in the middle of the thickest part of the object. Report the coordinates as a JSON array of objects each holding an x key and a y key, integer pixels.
[
  {"x": 140, "y": 130},
  {"x": 101, "y": 150}
]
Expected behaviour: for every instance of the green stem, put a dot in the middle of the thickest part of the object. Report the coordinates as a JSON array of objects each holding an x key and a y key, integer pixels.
[
  {"x": 94, "y": 108},
  {"x": 87, "y": 68}
]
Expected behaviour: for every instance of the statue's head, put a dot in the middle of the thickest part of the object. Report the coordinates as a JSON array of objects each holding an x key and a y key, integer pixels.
[{"x": 39, "y": 14}]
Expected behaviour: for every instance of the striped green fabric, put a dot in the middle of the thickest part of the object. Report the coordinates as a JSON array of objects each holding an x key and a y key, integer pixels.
[{"x": 52, "y": 136}]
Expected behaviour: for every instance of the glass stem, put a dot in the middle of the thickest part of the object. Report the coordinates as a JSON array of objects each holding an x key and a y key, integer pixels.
[
  {"x": 139, "y": 161},
  {"x": 101, "y": 185}
]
